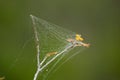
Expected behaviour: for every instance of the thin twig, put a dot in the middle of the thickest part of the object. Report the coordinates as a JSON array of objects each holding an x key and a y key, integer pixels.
[
  {"x": 43, "y": 60},
  {"x": 56, "y": 57},
  {"x": 37, "y": 47}
]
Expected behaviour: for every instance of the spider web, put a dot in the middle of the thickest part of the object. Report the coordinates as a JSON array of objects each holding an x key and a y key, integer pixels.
[{"x": 53, "y": 38}]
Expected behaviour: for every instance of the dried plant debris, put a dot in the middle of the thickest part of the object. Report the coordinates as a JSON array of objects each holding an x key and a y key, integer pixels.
[{"x": 2, "y": 78}]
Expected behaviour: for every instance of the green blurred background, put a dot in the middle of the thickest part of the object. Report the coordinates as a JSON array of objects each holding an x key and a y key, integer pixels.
[{"x": 97, "y": 20}]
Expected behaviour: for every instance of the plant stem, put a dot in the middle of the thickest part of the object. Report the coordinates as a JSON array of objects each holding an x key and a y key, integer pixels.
[
  {"x": 39, "y": 68},
  {"x": 36, "y": 74},
  {"x": 55, "y": 57},
  {"x": 37, "y": 47},
  {"x": 43, "y": 61}
]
